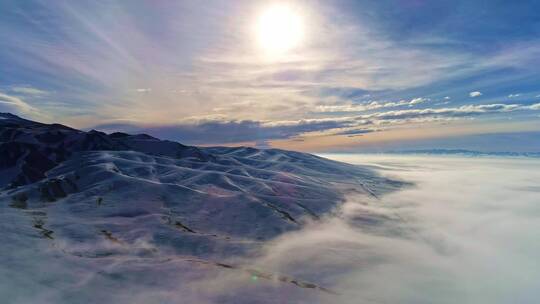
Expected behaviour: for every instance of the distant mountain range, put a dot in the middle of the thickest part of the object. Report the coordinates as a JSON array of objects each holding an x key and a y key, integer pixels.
[{"x": 465, "y": 152}]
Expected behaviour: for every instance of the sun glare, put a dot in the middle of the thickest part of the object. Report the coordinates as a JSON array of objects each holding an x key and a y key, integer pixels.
[{"x": 279, "y": 29}]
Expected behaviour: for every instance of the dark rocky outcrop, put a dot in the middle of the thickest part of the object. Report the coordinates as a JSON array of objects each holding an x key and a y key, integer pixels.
[{"x": 29, "y": 149}]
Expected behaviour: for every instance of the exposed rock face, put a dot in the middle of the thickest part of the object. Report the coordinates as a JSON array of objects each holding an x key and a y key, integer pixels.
[{"x": 29, "y": 149}]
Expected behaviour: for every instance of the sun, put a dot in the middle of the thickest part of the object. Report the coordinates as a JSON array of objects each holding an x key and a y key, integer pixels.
[{"x": 279, "y": 29}]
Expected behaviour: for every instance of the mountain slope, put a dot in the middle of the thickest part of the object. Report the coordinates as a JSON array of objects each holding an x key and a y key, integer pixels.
[
  {"x": 119, "y": 197},
  {"x": 31, "y": 148}
]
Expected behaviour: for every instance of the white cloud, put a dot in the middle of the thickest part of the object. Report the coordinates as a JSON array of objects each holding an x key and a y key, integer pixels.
[
  {"x": 147, "y": 90},
  {"x": 475, "y": 94},
  {"x": 446, "y": 234},
  {"x": 447, "y": 98},
  {"x": 430, "y": 114},
  {"x": 514, "y": 95},
  {"x": 27, "y": 90},
  {"x": 15, "y": 103},
  {"x": 372, "y": 105},
  {"x": 444, "y": 113},
  {"x": 535, "y": 106},
  {"x": 418, "y": 100}
]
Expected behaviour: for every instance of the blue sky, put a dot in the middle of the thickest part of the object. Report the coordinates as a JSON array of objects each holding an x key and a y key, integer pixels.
[{"x": 365, "y": 74}]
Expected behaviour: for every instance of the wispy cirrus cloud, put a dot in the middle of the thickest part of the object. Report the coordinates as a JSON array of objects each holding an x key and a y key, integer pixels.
[
  {"x": 463, "y": 111},
  {"x": 371, "y": 105},
  {"x": 29, "y": 91},
  {"x": 10, "y": 103},
  {"x": 100, "y": 60}
]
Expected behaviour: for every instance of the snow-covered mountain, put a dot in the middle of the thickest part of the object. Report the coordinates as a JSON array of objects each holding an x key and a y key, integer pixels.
[{"x": 75, "y": 191}]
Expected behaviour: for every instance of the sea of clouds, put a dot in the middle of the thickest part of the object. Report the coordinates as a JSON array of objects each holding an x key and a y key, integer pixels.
[{"x": 466, "y": 232}]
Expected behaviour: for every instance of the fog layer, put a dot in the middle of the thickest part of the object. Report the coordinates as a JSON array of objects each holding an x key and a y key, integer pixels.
[{"x": 467, "y": 231}]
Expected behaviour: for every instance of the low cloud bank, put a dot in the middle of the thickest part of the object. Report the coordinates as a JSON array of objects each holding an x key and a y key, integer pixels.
[
  {"x": 466, "y": 233},
  {"x": 223, "y": 132},
  {"x": 219, "y": 131}
]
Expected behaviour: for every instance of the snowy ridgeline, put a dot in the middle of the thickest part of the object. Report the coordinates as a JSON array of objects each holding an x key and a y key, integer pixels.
[{"x": 91, "y": 195}]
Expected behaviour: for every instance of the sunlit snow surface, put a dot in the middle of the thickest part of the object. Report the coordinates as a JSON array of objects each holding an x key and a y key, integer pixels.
[{"x": 468, "y": 231}]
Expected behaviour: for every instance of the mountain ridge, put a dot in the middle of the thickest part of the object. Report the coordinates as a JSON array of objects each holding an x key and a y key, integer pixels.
[
  {"x": 52, "y": 162},
  {"x": 115, "y": 200},
  {"x": 36, "y": 147}
]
